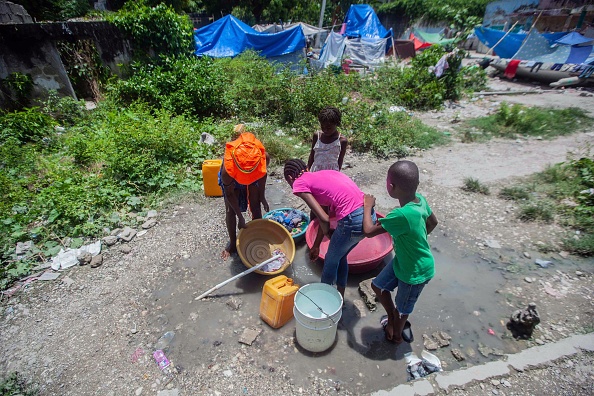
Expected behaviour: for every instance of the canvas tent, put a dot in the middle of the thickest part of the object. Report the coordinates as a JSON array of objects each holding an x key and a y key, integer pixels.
[
  {"x": 308, "y": 30},
  {"x": 423, "y": 38},
  {"x": 363, "y": 39},
  {"x": 229, "y": 37}
]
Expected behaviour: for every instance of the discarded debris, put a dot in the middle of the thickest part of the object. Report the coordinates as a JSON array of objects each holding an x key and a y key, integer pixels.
[
  {"x": 543, "y": 263},
  {"x": 522, "y": 322},
  {"x": 249, "y": 335},
  {"x": 458, "y": 354},
  {"x": 367, "y": 294},
  {"x": 68, "y": 258},
  {"x": 234, "y": 303},
  {"x": 441, "y": 338},
  {"x": 49, "y": 275},
  {"x": 429, "y": 343}
]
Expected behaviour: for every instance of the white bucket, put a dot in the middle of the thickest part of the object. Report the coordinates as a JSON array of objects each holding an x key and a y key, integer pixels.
[{"x": 316, "y": 330}]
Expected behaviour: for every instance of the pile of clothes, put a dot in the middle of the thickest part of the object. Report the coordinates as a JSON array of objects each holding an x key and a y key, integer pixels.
[
  {"x": 295, "y": 221},
  {"x": 417, "y": 368}
]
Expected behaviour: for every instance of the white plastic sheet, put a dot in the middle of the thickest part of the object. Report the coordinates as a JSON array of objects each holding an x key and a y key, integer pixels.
[{"x": 68, "y": 258}]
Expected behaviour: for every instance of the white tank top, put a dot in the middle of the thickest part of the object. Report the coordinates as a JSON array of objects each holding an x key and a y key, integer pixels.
[{"x": 326, "y": 155}]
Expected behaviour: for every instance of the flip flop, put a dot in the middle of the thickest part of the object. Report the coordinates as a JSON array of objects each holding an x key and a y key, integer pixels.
[
  {"x": 384, "y": 323},
  {"x": 407, "y": 334}
]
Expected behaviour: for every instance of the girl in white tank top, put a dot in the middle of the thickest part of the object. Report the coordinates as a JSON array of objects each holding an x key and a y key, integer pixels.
[{"x": 328, "y": 146}]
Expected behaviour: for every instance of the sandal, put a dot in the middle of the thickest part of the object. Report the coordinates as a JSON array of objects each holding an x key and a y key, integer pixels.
[{"x": 407, "y": 334}]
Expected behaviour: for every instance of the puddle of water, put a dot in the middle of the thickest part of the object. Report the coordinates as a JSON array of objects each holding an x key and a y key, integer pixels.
[{"x": 361, "y": 359}]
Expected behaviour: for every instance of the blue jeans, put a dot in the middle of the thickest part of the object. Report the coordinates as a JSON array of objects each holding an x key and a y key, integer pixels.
[
  {"x": 407, "y": 294},
  {"x": 348, "y": 233}
]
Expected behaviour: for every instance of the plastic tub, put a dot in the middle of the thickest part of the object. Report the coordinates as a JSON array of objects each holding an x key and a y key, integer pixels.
[
  {"x": 366, "y": 256},
  {"x": 318, "y": 308},
  {"x": 257, "y": 241},
  {"x": 296, "y": 236}
]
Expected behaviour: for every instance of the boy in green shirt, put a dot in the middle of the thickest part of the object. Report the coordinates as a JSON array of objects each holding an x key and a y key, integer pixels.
[{"x": 413, "y": 264}]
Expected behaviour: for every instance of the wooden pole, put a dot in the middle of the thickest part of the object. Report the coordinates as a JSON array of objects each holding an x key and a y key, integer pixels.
[{"x": 501, "y": 39}]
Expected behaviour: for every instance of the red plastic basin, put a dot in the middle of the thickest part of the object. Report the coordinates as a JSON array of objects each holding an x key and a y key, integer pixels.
[{"x": 366, "y": 256}]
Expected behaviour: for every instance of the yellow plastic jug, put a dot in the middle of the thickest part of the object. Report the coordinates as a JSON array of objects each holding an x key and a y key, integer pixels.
[
  {"x": 210, "y": 177},
  {"x": 276, "y": 306}
]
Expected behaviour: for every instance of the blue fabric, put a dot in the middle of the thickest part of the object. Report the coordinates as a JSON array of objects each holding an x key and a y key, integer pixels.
[
  {"x": 362, "y": 21},
  {"x": 229, "y": 37},
  {"x": 348, "y": 233},
  {"x": 537, "y": 48},
  {"x": 511, "y": 43},
  {"x": 573, "y": 38},
  {"x": 579, "y": 54},
  {"x": 406, "y": 295}
]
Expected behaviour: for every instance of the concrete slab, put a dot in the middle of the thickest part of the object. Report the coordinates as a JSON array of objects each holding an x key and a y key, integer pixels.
[{"x": 535, "y": 356}]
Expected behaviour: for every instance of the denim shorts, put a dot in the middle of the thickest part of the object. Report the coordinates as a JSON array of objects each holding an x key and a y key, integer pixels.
[{"x": 406, "y": 295}]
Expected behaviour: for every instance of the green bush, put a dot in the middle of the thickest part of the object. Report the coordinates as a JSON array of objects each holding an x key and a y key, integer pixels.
[
  {"x": 540, "y": 210},
  {"x": 514, "y": 193},
  {"x": 17, "y": 89},
  {"x": 65, "y": 110},
  {"x": 474, "y": 185},
  {"x": 180, "y": 85},
  {"x": 27, "y": 125}
]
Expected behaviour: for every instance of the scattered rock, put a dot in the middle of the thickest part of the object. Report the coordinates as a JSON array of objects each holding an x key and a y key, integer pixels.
[
  {"x": 367, "y": 294},
  {"x": 492, "y": 243},
  {"x": 564, "y": 254},
  {"x": 527, "y": 255},
  {"x": 115, "y": 232},
  {"x": 97, "y": 261},
  {"x": 579, "y": 273},
  {"x": 84, "y": 258},
  {"x": 249, "y": 335},
  {"x": 23, "y": 247},
  {"x": 528, "y": 280},
  {"x": 125, "y": 249},
  {"x": 458, "y": 354},
  {"x": 151, "y": 214},
  {"x": 543, "y": 263},
  {"x": 67, "y": 281},
  {"x": 495, "y": 391},
  {"x": 234, "y": 303},
  {"x": 138, "y": 391},
  {"x": 495, "y": 382},
  {"x": 429, "y": 344},
  {"x": 539, "y": 341},
  {"x": 228, "y": 373},
  {"x": 506, "y": 383},
  {"x": 110, "y": 240},
  {"x": 442, "y": 338},
  {"x": 127, "y": 234},
  {"x": 149, "y": 224},
  {"x": 169, "y": 392},
  {"x": 484, "y": 350}
]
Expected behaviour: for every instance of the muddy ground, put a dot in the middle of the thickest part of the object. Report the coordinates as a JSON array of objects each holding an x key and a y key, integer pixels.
[{"x": 93, "y": 331}]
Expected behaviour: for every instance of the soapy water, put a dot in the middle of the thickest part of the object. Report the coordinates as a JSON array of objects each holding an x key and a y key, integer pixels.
[
  {"x": 277, "y": 263},
  {"x": 320, "y": 304}
]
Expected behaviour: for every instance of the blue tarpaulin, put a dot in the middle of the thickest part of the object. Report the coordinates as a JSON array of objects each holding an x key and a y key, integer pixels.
[
  {"x": 574, "y": 38},
  {"x": 511, "y": 43},
  {"x": 229, "y": 37},
  {"x": 362, "y": 21}
]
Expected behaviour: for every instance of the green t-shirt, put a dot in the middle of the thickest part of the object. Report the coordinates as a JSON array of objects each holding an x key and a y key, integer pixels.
[{"x": 413, "y": 263}]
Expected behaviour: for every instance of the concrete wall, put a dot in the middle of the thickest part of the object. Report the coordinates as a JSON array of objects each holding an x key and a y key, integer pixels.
[{"x": 30, "y": 48}]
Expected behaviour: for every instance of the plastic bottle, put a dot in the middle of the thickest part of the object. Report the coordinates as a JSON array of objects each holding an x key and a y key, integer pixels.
[{"x": 164, "y": 341}]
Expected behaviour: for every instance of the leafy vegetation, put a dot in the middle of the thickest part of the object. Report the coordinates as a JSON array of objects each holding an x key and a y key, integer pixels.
[
  {"x": 16, "y": 89},
  {"x": 475, "y": 186},
  {"x": 517, "y": 120},
  {"x": 16, "y": 385},
  {"x": 563, "y": 193}
]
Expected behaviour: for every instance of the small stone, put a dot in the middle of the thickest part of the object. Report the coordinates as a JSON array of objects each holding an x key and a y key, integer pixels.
[
  {"x": 495, "y": 391},
  {"x": 506, "y": 383},
  {"x": 138, "y": 391},
  {"x": 367, "y": 294},
  {"x": 564, "y": 254},
  {"x": 125, "y": 249},
  {"x": 527, "y": 255},
  {"x": 482, "y": 386},
  {"x": 228, "y": 373},
  {"x": 476, "y": 313},
  {"x": 151, "y": 214},
  {"x": 84, "y": 258},
  {"x": 249, "y": 335},
  {"x": 441, "y": 340},
  {"x": 492, "y": 243},
  {"x": 234, "y": 303},
  {"x": 23, "y": 247},
  {"x": 495, "y": 382},
  {"x": 458, "y": 354},
  {"x": 97, "y": 261},
  {"x": 169, "y": 392},
  {"x": 539, "y": 341},
  {"x": 67, "y": 281},
  {"x": 429, "y": 344},
  {"x": 543, "y": 263},
  {"x": 149, "y": 224},
  {"x": 579, "y": 273},
  {"x": 528, "y": 280},
  {"x": 110, "y": 240},
  {"x": 127, "y": 234}
]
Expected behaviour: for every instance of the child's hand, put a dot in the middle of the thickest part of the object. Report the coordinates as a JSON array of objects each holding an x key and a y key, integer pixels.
[
  {"x": 265, "y": 205},
  {"x": 241, "y": 223},
  {"x": 369, "y": 200}
]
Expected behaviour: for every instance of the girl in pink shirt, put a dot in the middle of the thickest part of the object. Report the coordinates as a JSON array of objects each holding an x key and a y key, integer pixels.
[{"x": 345, "y": 200}]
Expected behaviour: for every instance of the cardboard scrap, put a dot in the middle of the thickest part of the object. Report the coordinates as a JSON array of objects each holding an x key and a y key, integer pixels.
[{"x": 249, "y": 335}]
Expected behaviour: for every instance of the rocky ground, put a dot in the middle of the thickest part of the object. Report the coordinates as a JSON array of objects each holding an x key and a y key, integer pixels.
[{"x": 92, "y": 331}]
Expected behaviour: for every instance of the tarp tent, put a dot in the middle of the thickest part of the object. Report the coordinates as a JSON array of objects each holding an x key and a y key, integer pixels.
[
  {"x": 363, "y": 39},
  {"x": 362, "y": 21},
  {"x": 308, "y": 30},
  {"x": 511, "y": 43},
  {"x": 536, "y": 48},
  {"x": 574, "y": 38},
  {"x": 229, "y": 37},
  {"x": 423, "y": 39}
]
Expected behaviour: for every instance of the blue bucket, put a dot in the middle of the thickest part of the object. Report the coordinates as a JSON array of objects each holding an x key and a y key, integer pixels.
[{"x": 296, "y": 236}]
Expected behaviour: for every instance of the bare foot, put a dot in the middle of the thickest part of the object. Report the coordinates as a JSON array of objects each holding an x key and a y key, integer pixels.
[{"x": 229, "y": 250}]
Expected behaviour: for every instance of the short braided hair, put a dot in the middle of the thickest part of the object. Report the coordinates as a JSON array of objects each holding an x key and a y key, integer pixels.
[
  {"x": 294, "y": 168},
  {"x": 330, "y": 115}
]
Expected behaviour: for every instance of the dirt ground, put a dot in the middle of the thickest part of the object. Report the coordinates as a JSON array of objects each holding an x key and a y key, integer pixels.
[{"x": 93, "y": 331}]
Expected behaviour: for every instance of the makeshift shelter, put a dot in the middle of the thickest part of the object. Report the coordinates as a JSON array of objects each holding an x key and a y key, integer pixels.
[
  {"x": 363, "y": 39},
  {"x": 537, "y": 48},
  {"x": 425, "y": 38},
  {"x": 511, "y": 42},
  {"x": 229, "y": 37},
  {"x": 308, "y": 30}
]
